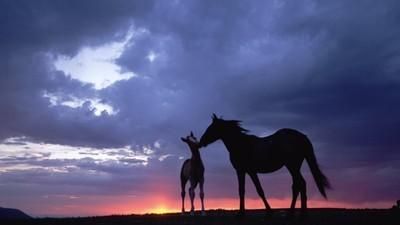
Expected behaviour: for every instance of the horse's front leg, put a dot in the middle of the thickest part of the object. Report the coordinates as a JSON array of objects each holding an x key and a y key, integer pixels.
[
  {"x": 241, "y": 181},
  {"x": 259, "y": 189}
]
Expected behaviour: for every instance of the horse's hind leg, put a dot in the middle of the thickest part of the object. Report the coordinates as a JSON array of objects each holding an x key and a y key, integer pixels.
[
  {"x": 295, "y": 193},
  {"x": 202, "y": 196},
  {"x": 295, "y": 189},
  {"x": 303, "y": 192},
  {"x": 259, "y": 189},
  {"x": 299, "y": 185}
]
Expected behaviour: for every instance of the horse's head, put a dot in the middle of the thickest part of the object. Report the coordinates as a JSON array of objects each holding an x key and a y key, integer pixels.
[
  {"x": 213, "y": 132},
  {"x": 191, "y": 140}
]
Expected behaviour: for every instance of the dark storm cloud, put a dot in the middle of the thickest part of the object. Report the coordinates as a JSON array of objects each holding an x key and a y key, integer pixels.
[
  {"x": 31, "y": 31},
  {"x": 330, "y": 69},
  {"x": 64, "y": 26},
  {"x": 327, "y": 69}
]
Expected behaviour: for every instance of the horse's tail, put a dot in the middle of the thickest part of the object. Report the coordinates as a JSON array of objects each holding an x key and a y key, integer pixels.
[{"x": 321, "y": 180}]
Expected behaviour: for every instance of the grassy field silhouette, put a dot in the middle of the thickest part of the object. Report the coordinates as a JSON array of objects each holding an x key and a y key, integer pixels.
[{"x": 220, "y": 217}]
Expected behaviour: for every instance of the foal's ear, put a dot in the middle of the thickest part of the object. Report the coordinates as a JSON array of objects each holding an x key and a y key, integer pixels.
[
  {"x": 214, "y": 117},
  {"x": 191, "y": 133},
  {"x": 183, "y": 139}
]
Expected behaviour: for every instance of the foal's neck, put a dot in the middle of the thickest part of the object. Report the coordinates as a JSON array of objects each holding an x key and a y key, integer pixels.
[{"x": 195, "y": 154}]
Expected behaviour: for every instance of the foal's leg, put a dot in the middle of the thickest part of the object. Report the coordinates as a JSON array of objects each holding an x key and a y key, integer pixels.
[
  {"x": 183, "y": 185},
  {"x": 202, "y": 197},
  {"x": 259, "y": 189},
  {"x": 241, "y": 181},
  {"x": 193, "y": 185}
]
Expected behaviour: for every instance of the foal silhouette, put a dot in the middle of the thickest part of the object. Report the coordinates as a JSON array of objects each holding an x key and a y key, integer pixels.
[
  {"x": 192, "y": 170},
  {"x": 251, "y": 154}
]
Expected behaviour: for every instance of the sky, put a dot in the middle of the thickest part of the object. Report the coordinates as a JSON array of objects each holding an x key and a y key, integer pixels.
[{"x": 95, "y": 95}]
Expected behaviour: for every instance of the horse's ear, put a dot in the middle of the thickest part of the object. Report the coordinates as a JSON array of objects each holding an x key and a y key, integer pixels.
[
  {"x": 191, "y": 133},
  {"x": 183, "y": 139}
]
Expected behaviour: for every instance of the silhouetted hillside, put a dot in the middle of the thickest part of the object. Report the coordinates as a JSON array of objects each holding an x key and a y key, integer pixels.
[{"x": 6, "y": 213}]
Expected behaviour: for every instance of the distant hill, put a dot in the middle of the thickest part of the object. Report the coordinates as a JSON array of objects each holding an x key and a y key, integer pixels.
[{"x": 6, "y": 213}]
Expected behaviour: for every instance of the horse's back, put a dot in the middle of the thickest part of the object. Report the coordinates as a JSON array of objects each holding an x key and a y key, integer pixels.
[
  {"x": 272, "y": 152},
  {"x": 293, "y": 144},
  {"x": 265, "y": 157},
  {"x": 289, "y": 132},
  {"x": 291, "y": 140}
]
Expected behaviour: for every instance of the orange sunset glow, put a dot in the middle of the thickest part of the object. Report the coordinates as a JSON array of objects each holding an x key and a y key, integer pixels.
[{"x": 124, "y": 205}]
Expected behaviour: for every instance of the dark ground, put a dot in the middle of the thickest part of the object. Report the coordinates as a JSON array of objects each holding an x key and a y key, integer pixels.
[{"x": 220, "y": 217}]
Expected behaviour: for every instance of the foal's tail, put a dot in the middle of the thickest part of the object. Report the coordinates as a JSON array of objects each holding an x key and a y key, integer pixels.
[{"x": 321, "y": 180}]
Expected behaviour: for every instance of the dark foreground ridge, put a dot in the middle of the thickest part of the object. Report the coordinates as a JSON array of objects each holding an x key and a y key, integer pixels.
[{"x": 220, "y": 217}]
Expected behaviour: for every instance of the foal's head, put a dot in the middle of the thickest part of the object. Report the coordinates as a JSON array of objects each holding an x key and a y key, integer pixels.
[{"x": 191, "y": 140}]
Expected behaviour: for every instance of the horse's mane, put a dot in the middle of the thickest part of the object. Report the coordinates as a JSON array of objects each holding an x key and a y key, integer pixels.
[{"x": 235, "y": 126}]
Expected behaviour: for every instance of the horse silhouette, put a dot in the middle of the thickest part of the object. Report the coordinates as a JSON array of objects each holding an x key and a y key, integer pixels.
[
  {"x": 251, "y": 154},
  {"x": 192, "y": 170}
]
